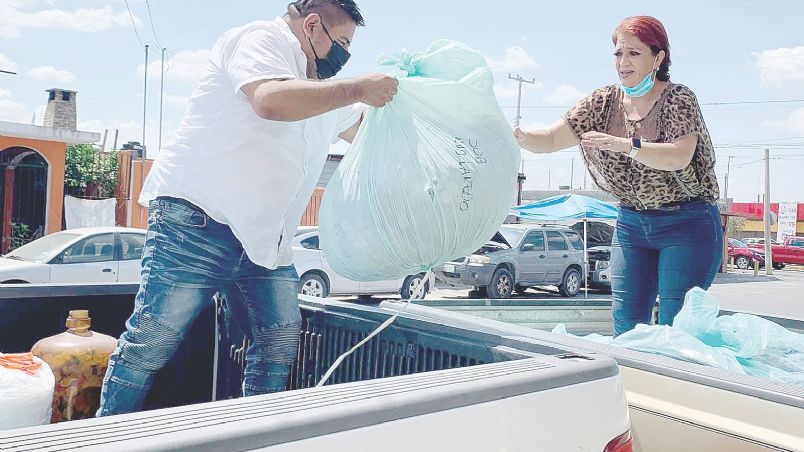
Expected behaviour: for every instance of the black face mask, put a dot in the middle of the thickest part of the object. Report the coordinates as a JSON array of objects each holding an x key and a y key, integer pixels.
[{"x": 336, "y": 58}]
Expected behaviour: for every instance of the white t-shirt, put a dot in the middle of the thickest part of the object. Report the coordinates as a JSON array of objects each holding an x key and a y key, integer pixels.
[{"x": 254, "y": 175}]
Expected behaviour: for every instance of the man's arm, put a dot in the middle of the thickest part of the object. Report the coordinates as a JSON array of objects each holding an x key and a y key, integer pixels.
[{"x": 295, "y": 100}]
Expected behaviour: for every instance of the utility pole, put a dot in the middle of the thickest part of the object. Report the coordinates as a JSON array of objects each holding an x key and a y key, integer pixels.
[
  {"x": 549, "y": 175},
  {"x": 572, "y": 175},
  {"x": 520, "y": 80},
  {"x": 585, "y": 172},
  {"x": 726, "y": 188},
  {"x": 161, "y": 100},
  {"x": 145, "y": 94},
  {"x": 767, "y": 218}
]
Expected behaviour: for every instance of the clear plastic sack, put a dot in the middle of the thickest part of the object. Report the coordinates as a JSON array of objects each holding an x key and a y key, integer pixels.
[
  {"x": 430, "y": 177},
  {"x": 26, "y": 397}
]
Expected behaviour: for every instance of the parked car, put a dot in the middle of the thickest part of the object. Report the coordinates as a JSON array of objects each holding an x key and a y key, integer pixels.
[
  {"x": 757, "y": 241},
  {"x": 599, "y": 267},
  {"x": 791, "y": 251},
  {"x": 88, "y": 255},
  {"x": 743, "y": 255},
  {"x": 318, "y": 279},
  {"x": 518, "y": 257}
]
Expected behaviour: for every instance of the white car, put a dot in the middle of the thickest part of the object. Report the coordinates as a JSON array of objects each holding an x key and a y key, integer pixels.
[
  {"x": 88, "y": 255},
  {"x": 318, "y": 279}
]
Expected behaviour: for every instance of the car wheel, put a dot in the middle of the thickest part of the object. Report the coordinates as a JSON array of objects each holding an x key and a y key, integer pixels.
[
  {"x": 778, "y": 265},
  {"x": 413, "y": 284},
  {"x": 502, "y": 284},
  {"x": 742, "y": 262},
  {"x": 313, "y": 285},
  {"x": 571, "y": 284}
]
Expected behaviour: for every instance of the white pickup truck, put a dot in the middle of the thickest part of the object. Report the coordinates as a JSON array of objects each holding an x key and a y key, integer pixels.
[{"x": 419, "y": 386}]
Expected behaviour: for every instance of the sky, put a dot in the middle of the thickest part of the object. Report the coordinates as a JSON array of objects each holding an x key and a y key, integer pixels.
[{"x": 735, "y": 55}]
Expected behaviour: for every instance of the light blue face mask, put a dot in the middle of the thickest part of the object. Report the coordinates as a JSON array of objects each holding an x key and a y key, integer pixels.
[{"x": 643, "y": 87}]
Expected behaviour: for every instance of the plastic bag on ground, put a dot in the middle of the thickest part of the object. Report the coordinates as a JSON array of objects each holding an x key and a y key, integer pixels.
[
  {"x": 743, "y": 343},
  {"x": 429, "y": 178},
  {"x": 26, "y": 398}
]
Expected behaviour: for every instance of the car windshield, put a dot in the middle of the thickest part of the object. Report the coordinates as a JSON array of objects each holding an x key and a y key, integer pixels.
[
  {"x": 512, "y": 235},
  {"x": 738, "y": 244},
  {"x": 41, "y": 248}
]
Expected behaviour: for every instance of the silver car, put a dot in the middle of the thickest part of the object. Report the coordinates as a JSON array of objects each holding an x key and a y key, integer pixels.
[{"x": 520, "y": 256}]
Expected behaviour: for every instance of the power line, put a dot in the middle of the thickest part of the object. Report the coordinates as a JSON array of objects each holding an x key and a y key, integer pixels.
[
  {"x": 134, "y": 24},
  {"x": 151, "y": 19},
  {"x": 706, "y": 104}
]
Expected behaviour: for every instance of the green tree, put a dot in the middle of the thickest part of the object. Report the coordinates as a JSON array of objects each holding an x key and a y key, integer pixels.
[
  {"x": 20, "y": 235},
  {"x": 86, "y": 167},
  {"x": 736, "y": 225}
]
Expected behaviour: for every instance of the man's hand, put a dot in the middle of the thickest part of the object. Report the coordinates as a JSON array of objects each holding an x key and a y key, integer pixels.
[{"x": 376, "y": 89}]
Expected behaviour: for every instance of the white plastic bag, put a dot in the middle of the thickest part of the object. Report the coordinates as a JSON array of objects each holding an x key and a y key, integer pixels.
[
  {"x": 26, "y": 400},
  {"x": 429, "y": 178}
]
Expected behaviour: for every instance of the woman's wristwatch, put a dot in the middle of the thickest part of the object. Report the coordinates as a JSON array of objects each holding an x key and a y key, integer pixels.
[{"x": 636, "y": 146}]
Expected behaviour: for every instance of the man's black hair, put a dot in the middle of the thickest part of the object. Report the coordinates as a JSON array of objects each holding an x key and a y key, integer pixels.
[{"x": 306, "y": 7}]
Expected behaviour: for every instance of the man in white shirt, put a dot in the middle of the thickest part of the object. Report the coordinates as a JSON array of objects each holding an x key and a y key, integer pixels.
[{"x": 226, "y": 196}]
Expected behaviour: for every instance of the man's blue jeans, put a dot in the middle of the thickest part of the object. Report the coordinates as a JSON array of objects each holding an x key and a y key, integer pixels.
[
  {"x": 188, "y": 257},
  {"x": 667, "y": 252}
]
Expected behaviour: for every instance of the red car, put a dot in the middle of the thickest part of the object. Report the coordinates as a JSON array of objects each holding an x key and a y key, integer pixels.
[
  {"x": 743, "y": 255},
  {"x": 789, "y": 252}
]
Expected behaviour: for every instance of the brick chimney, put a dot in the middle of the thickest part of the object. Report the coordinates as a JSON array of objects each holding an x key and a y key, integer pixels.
[{"x": 61, "y": 110}]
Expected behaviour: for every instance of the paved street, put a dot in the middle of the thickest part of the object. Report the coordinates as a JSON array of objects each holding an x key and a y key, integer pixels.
[{"x": 781, "y": 295}]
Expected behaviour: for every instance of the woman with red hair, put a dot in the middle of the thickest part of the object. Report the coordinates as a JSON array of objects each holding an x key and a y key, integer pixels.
[{"x": 644, "y": 140}]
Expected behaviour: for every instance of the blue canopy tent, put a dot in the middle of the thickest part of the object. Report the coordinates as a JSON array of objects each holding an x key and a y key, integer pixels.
[{"x": 568, "y": 207}]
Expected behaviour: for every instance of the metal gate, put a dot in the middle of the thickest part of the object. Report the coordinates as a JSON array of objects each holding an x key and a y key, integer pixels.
[{"x": 23, "y": 191}]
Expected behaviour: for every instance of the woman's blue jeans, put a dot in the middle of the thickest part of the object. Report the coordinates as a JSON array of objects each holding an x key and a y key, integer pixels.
[{"x": 664, "y": 252}]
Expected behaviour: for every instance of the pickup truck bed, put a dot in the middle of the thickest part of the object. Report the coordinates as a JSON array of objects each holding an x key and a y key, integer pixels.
[{"x": 674, "y": 405}]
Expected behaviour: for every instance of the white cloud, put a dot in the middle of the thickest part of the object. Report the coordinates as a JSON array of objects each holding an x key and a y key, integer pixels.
[
  {"x": 778, "y": 66},
  {"x": 793, "y": 123},
  {"x": 187, "y": 66},
  {"x": 6, "y": 64},
  {"x": 49, "y": 73},
  {"x": 13, "y": 19},
  {"x": 564, "y": 95},
  {"x": 515, "y": 59},
  {"x": 11, "y": 110}
]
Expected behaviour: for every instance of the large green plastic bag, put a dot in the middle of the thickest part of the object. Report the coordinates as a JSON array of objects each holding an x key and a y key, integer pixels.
[{"x": 430, "y": 177}]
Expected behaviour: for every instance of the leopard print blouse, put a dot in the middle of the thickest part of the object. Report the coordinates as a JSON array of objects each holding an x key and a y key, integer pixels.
[{"x": 674, "y": 116}]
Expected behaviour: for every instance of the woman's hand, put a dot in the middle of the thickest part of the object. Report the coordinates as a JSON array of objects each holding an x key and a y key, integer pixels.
[
  {"x": 598, "y": 141},
  {"x": 521, "y": 136}
]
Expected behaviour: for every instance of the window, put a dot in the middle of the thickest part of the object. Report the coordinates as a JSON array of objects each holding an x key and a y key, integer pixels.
[
  {"x": 556, "y": 242},
  {"x": 131, "y": 246},
  {"x": 52, "y": 96},
  {"x": 536, "y": 239},
  {"x": 46, "y": 246},
  {"x": 65, "y": 96},
  {"x": 575, "y": 239},
  {"x": 99, "y": 248},
  {"x": 511, "y": 235},
  {"x": 797, "y": 242},
  {"x": 310, "y": 243}
]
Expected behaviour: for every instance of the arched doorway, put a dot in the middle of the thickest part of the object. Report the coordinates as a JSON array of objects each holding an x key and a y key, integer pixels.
[{"x": 23, "y": 196}]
